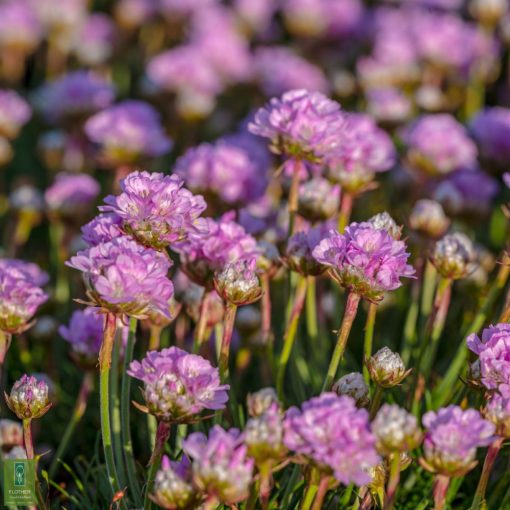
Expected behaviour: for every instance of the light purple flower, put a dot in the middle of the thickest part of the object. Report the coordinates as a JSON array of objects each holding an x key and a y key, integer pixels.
[
  {"x": 365, "y": 260},
  {"x": 493, "y": 349},
  {"x": 178, "y": 386},
  {"x": 127, "y": 132},
  {"x": 20, "y": 27},
  {"x": 335, "y": 435},
  {"x": 85, "y": 334},
  {"x": 174, "y": 8},
  {"x": 20, "y": 295},
  {"x": 124, "y": 277},
  {"x": 75, "y": 94},
  {"x": 14, "y": 113},
  {"x": 71, "y": 195},
  {"x": 452, "y": 437},
  {"x": 27, "y": 270},
  {"x": 491, "y": 131},
  {"x": 301, "y": 124},
  {"x": 257, "y": 16},
  {"x": 497, "y": 411},
  {"x": 388, "y": 105},
  {"x": 131, "y": 14},
  {"x": 219, "y": 463},
  {"x": 156, "y": 209},
  {"x": 223, "y": 241},
  {"x": 318, "y": 200},
  {"x": 95, "y": 39},
  {"x": 103, "y": 228},
  {"x": 365, "y": 150},
  {"x": 28, "y": 398},
  {"x": 438, "y": 144},
  {"x": 224, "y": 172},
  {"x": 279, "y": 69}
]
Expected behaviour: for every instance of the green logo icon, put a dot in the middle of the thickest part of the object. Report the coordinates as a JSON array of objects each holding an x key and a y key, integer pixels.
[{"x": 19, "y": 482}]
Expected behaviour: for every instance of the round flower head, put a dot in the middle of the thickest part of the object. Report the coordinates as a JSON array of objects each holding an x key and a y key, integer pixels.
[
  {"x": 263, "y": 435},
  {"x": 493, "y": 350},
  {"x": 386, "y": 368},
  {"x": 353, "y": 385},
  {"x": 451, "y": 440},
  {"x": 103, "y": 228},
  {"x": 220, "y": 466},
  {"x": 365, "y": 150},
  {"x": 299, "y": 252},
  {"x": 178, "y": 386},
  {"x": 75, "y": 95},
  {"x": 335, "y": 435},
  {"x": 85, "y": 335},
  {"x": 301, "y": 124},
  {"x": 279, "y": 69},
  {"x": 20, "y": 27},
  {"x": 223, "y": 241},
  {"x": 26, "y": 270},
  {"x": 14, "y": 113},
  {"x": 497, "y": 411},
  {"x": 260, "y": 401},
  {"x": 126, "y": 278},
  {"x": 428, "y": 218},
  {"x": 128, "y": 132},
  {"x": 437, "y": 144},
  {"x": 454, "y": 256},
  {"x": 388, "y": 105},
  {"x": 365, "y": 260},
  {"x": 383, "y": 221},
  {"x": 491, "y": 131},
  {"x": 224, "y": 172},
  {"x": 318, "y": 200},
  {"x": 395, "y": 430},
  {"x": 95, "y": 39},
  {"x": 20, "y": 296},
  {"x": 238, "y": 283},
  {"x": 156, "y": 209},
  {"x": 28, "y": 398},
  {"x": 71, "y": 195},
  {"x": 173, "y": 485}
]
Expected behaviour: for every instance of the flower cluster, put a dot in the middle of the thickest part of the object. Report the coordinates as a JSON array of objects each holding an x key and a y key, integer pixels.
[
  {"x": 365, "y": 260},
  {"x": 334, "y": 434},
  {"x": 124, "y": 277},
  {"x": 156, "y": 209},
  {"x": 178, "y": 386}
]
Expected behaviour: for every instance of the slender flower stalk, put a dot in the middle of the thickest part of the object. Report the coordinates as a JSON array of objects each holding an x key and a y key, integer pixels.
[
  {"x": 393, "y": 481},
  {"x": 351, "y": 309},
  {"x": 311, "y": 310},
  {"x": 289, "y": 336},
  {"x": 266, "y": 309},
  {"x": 162, "y": 435},
  {"x": 200, "y": 329},
  {"x": 125, "y": 407},
  {"x": 27, "y": 438},
  {"x": 297, "y": 169},
  {"x": 376, "y": 401},
  {"x": 441, "y": 483},
  {"x": 321, "y": 493},
  {"x": 369, "y": 337},
  {"x": 228, "y": 330},
  {"x": 344, "y": 214},
  {"x": 488, "y": 464},
  {"x": 87, "y": 386},
  {"x": 105, "y": 359}
]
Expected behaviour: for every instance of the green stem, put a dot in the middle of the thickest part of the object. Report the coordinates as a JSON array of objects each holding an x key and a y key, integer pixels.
[
  {"x": 201, "y": 326},
  {"x": 105, "y": 359},
  {"x": 429, "y": 285},
  {"x": 294, "y": 195},
  {"x": 265, "y": 308},
  {"x": 394, "y": 478},
  {"x": 351, "y": 309},
  {"x": 492, "y": 453},
  {"x": 309, "y": 496},
  {"x": 127, "y": 444},
  {"x": 442, "y": 393},
  {"x": 369, "y": 338},
  {"x": 162, "y": 436},
  {"x": 155, "y": 337},
  {"x": 311, "y": 311},
  {"x": 344, "y": 215},
  {"x": 29, "y": 448},
  {"x": 79, "y": 410},
  {"x": 376, "y": 401},
  {"x": 228, "y": 330},
  {"x": 289, "y": 336}
]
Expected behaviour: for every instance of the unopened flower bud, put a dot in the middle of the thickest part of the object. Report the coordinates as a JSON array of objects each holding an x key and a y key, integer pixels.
[
  {"x": 454, "y": 256},
  {"x": 11, "y": 434},
  {"x": 428, "y": 218},
  {"x": 173, "y": 487},
  {"x": 386, "y": 368},
  {"x": 497, "y": 411},
  {"x": 263, "y": 435},
  {"x": 28, "y": 398},
  {"x": 383, "y": 221},
  {"x": 354, "y": 386},
  {"x": 395, "y": 430},
  {"x": 260, "y": 401},
  {"x": 318, "y": 200},
  {"x": 238, "y": 283}
]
